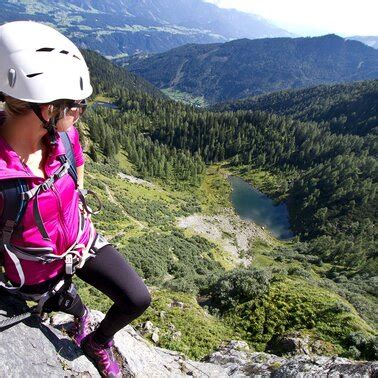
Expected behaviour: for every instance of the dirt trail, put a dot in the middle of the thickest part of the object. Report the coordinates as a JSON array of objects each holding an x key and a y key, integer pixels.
[{"x": 115, "y": 202}]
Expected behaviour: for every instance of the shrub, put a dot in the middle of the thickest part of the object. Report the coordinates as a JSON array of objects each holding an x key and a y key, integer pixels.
[
  {"x": 239, "y": 286},
  {"x": 362, "y": 346}
]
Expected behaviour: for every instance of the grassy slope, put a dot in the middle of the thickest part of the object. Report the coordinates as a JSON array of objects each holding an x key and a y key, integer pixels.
[
  {"x": 134, "y": 213},
  {"x": 185, "y": 97}
]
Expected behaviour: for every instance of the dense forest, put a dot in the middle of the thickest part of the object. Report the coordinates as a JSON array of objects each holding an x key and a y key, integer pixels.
[
  {"x": 111, "y": 131},
  {"x": 329, "y": 182},
  {"x": 341, "y": 108},
  {"x": 105, "y": 76}
]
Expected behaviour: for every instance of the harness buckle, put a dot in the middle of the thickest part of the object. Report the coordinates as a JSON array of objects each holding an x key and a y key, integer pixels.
[
  {"x": 69, "y": 265},
  {"x": 62, "y": 171},
  {"x": 71, "y": 262},
  {"x": 47, "y": 184},
  {"x": 48, "y": 260}
]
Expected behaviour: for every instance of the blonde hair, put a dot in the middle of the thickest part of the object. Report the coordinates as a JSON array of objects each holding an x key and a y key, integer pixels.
[{"x": 14, "y": 107}]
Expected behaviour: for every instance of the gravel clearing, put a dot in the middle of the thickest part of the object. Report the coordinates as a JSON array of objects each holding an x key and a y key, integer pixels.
[
  {"x": 135, "y": 180},
  {"x": 227, "y": 229}
]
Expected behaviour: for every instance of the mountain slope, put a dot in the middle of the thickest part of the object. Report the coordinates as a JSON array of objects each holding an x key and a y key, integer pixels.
[
  {"x": 345, "y": 108},
  {"x": 124, "y": 27},
  {"x": 154, "y": 136},
  {"x": 105, "y": 76},
  {"x": 245, "y": 67}
]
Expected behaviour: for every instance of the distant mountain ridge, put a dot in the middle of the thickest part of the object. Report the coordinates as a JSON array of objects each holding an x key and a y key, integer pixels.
[
  {"x": 371, "y": 41},
  {"x": 124, "y": 27},
  {"x": 243, "y": 68}
]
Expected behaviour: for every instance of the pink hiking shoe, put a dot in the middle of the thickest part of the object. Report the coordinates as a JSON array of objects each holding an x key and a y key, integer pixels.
[
  {"x": 102, "y": 356},
  {"x": 81, "y": 328}
]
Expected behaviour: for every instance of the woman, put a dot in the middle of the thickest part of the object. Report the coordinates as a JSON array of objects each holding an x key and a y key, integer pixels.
[{"x": 44, "y": 82}]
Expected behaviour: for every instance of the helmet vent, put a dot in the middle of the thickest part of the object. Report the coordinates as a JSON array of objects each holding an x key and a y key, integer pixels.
[
  {"x": 45, "y": 49},
  {"x": 12, "y": 77},
  {"x": 64, "y": 52},
  {"x": 76, "y": 57},
  {"x": 81, "y": 83},
  {"x": 34, "y": 74}
]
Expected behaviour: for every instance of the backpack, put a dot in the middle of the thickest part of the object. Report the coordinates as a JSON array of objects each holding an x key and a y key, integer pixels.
[
  {"x": 16, "y": 193},
  {"x": 12, "y": 192}
]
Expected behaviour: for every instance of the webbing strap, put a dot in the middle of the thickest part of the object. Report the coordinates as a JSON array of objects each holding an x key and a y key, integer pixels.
[
  {"x": 20, "y": 272},
  {"x": 69, "y": 156},
  {"x": 43, "y": 255},
  {"x": 47, "y": 184},
  {"x": 39, "y": 221},
  {"x": 49, "y": 125},
  {"x": 73, "y": 258},
  {"x": 14, "y": 206},
  {"x": 7, "y": 231},
  {"x": 82, "y": 194}
]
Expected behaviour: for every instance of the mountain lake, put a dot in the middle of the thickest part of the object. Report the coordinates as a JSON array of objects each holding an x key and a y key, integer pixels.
[
  {"x": 108, "y": 105},
  {"x": 250, "y": 204}
]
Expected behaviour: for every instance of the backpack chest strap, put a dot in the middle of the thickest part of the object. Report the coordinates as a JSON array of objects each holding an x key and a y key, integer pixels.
[{"x": 48, "y": 183}]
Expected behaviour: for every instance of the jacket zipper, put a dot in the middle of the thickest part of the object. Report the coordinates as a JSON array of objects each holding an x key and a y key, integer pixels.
[
  {"x": 26, "y": 168},
  {"x": 59, "y": 201}
]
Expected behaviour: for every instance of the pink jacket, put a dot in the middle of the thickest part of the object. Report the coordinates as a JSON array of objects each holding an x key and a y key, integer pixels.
[{"x": 58, "y": 207}]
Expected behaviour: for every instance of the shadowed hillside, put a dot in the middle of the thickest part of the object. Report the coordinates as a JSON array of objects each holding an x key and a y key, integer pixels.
[{"x": 245, "y": 67}]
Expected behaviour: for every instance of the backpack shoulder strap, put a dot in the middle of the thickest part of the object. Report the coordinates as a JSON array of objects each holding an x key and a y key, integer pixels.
[
  {"x": 13, "y": 206},
  {"x": 69, "y": 155}
]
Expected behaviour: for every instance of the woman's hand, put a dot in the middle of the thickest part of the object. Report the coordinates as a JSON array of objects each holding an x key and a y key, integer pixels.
[{"x": 80, "y": 176}]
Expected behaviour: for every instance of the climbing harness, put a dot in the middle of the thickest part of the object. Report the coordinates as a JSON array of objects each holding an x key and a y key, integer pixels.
[
  {"x": 64, "y": 288},
  {"x": 16, "y": 195}
]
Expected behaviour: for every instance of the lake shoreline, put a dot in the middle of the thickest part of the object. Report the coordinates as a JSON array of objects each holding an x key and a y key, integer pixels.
[{"x": 252, "y": 205}]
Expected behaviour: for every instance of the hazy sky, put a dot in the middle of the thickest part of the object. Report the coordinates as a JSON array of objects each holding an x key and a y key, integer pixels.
[{"x": 313, "y": 17}]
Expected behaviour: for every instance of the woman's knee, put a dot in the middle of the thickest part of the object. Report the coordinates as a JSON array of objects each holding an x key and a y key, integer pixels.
[
  {"x": 137, "y": 302},
  {"x": 144, "y": 301}
]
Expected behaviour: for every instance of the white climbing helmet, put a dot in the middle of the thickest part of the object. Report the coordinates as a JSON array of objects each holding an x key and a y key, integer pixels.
[{"x": 38, "y": 64}]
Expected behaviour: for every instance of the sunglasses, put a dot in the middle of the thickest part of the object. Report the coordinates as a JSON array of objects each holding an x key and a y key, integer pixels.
[{"x": 75, "y": 108}]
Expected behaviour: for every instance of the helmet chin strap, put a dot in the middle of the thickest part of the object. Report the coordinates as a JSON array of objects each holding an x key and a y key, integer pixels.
[{"x": 49, "y": 125}]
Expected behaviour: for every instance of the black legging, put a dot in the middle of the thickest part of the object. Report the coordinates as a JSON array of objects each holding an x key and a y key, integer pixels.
[{"x": 110, "y": 273}]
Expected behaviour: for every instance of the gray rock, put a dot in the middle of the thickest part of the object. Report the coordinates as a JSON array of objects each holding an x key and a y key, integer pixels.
[
  {"x": 148, "y": 326},
  {"x": 308, "y": 366},
  {"x": 293, "y": 343},
  {"x": 176, "y": 304},
  {"x": 155, "y": 337},
  {"x": 36, "y": 349},
  {"x": 239, "y": 361},
  {"x": 176, "y": 335}
]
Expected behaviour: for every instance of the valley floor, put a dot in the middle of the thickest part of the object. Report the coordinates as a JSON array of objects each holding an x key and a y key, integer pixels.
[{"x": 177, "y": 237}]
